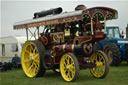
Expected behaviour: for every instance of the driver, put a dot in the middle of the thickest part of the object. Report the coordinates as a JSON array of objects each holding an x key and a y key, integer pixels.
[{"x": 86, "y": 28}]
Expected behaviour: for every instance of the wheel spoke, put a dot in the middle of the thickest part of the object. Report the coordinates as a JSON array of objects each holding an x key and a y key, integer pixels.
[
  {"x": 103, "y": 68},
  {"x": 96, "y": 58},
  {"x": 72, "y": 72},
  {"x": 34, "y": 64},
  {"x": 69, "y": 76},
  {"x": 35, "y": 70},
  {"x": 26, "y": 51},
  {"x": 28, "y": 64},
  {"x": 100, "y": 57},
  {"x": 31, "y": 48},
  {"x": 29, "y": 69},
  {"x": 35, "y": 55},
  {"x": 26, "y": 61},
  {"x": 37, "y": 61},
  {"x": 67, "y": 60},
  {"x": 27, "y": 54},
  {"x": 95, "y": 70},
  {"x": 34, "y": 51},
  {"x": 99, "y": 71}
]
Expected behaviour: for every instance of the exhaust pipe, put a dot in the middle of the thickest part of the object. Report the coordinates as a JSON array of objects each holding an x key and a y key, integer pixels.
[{"x": 48, "y": 12}]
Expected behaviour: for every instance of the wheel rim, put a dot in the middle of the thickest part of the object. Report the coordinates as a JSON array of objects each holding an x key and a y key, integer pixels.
[
  {"x": 109, "y": 55},
  {"x": 67, "y": 68},
  {"x": 100, "y": 62},
  {"x": 30, "y": 59}
]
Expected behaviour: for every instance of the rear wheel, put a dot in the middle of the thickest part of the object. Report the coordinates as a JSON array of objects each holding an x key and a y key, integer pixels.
[
  {"x": 126, "y": 47},
  {"x": 100, "y": 60},
  {"x": 69, "y": 67},
  {"x": 113, "y": 54},
  {"x": 31, "y": 59}
]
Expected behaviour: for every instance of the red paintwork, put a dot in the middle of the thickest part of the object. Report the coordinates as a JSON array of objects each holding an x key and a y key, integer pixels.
[
  {"x": 57, "y": 59},
  {"x": 67, "y": 47},
  {"x": 43, "y": 39},
  {"x": 98, "y": 36},
  {"x": 86, "y": 51},
  {"x": 82, "y": 39},
  {"x": 58, "y": 48},
  {"x": 105, "y": 11},
  {"x": 47, "y": 59}
]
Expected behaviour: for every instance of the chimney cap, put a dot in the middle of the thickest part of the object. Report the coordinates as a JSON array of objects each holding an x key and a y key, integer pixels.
[{"x": 80, "y": 7}]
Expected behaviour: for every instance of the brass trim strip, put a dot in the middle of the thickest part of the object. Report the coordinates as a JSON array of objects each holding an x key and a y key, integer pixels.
[
  {"x": 73, "y": 48},
  {"x": 92, "y": 26},
  {"x": 64, "y": 47}
]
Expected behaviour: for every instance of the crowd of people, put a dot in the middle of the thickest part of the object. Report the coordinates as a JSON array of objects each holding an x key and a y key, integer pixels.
[{"x": 15, "y": 63}]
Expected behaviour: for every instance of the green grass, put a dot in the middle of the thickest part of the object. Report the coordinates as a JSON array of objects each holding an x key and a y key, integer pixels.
[{"x": 116, "y": 76}]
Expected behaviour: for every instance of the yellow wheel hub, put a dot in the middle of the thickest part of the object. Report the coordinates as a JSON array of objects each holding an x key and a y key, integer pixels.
[
  {"x": 67, "y": 68},
  {"x": 100, "y": 62},
  {"x": 30, "y": 59}
]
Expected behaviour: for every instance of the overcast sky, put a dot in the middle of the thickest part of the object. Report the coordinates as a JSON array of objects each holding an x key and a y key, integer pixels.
[{"x": 14, "y": 11}]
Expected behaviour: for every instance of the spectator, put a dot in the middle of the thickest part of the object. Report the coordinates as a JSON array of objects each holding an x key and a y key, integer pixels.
[
  {"x": 5, "y": 66},
  {"x": 16, "y": 61}
]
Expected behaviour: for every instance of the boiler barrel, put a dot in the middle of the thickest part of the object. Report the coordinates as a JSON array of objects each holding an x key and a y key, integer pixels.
[
  {"x": 67, "y": 48},
  {"x": 48, "y": 12}
]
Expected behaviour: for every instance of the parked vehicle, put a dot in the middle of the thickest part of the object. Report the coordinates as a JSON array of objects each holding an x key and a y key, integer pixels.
[
  {"x": 66, "y": 43},
  {"x": 9, "y": 46},
  {"x": 115, "y": 47},
  {"x": 127, "y": 31}
]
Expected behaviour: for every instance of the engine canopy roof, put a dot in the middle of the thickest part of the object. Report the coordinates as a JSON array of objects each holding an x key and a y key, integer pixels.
[{"x": 105, "y": 12}]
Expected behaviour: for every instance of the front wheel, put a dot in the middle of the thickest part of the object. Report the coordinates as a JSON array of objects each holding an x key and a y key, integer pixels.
[
  {"x": 69, "y": 67},
  {"x": 102, "y": 66}
]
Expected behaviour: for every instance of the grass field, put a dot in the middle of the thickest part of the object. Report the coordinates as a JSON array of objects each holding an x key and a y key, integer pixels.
[{"x": 116, "y": 76}]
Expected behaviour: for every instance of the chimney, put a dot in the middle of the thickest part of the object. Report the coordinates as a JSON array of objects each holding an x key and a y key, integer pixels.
[{"x": 80, "y": 7}]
